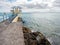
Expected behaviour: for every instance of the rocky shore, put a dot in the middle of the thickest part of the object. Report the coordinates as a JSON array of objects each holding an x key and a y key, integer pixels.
[{"x": 34, "y": 38}]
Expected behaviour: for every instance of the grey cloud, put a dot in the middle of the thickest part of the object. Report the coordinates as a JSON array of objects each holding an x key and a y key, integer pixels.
[
  {"x": 56, "y": 3},
  {"x": 36, "y": 6}
]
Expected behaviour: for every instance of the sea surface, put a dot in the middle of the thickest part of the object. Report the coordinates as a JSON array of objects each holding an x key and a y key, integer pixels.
[{"x": 47, "y": 23}]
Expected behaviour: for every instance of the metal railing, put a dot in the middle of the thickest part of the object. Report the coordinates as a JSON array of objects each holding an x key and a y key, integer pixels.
[
  {"x": 3, "y": 17},
  {"x": 12, "y": 17},
  {"x": 7, "y": 17}
]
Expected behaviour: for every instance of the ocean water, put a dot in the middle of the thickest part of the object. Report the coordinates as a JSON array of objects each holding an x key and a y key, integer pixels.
[
  {"x": 47, "y": 23},
  {"x": 4, "y": 17}
]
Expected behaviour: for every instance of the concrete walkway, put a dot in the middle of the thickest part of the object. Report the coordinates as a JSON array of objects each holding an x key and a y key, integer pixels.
[
  {"x": 13, "y": 35},
  {"x": 4, "y": 25}
]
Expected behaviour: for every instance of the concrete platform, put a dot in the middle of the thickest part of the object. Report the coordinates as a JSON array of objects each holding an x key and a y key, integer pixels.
[
  {"x": 4, "y": 25},
  {"x": 13, "y": 35}
]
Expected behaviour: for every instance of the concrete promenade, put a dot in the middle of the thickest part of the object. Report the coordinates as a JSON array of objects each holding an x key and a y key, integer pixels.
[{"x": 11, "y": 33}]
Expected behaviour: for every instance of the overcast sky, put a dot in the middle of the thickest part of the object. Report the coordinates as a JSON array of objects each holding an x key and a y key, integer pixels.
[{"x": 6, "y": 5}]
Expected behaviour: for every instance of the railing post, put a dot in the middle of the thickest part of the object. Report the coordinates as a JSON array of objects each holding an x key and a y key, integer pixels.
[
  {"x": 6, "y": 16},
  {"x": 3, "y": 17}
]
